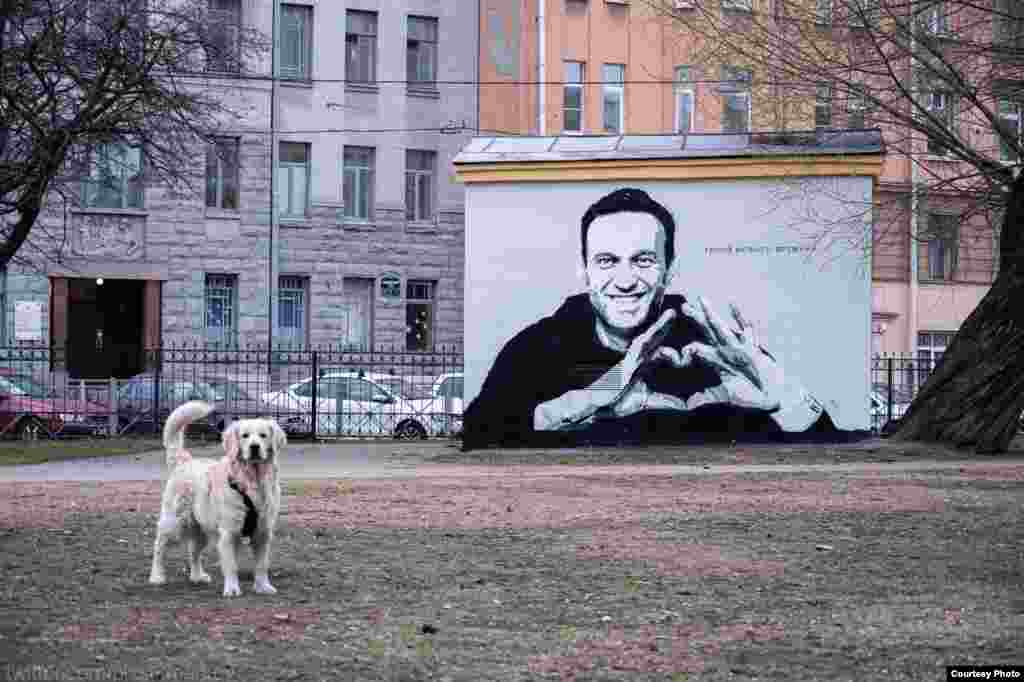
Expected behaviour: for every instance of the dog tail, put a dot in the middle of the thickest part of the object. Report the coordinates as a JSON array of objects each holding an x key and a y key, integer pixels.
[{"x": 174, "y": 429}]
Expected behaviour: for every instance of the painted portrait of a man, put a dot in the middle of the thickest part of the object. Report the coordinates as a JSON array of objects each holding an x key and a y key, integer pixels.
[{"x": 626, "y": 360}]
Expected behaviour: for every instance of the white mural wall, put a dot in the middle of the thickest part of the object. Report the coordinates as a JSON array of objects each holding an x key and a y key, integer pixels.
[{"x": 809, "y": 303}]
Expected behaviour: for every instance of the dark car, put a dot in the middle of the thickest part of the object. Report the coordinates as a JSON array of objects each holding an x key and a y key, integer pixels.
[
  {"x": 30, "y": 410},
  {"x": 135, "y": 404},
  {"x": 237, "y": 397}
]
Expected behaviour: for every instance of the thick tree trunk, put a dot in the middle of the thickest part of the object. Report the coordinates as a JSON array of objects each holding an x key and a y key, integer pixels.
[{"x": 975, "y": 396}]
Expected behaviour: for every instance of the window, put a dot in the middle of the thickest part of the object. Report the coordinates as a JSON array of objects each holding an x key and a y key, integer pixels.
[
  {"x": 419, "y": 186},
  {"x": 1008, "y": 20},
  {"x": 863, "y": 13},
  {"x": 572, "y": 107},
  {"x": 293, "y": 179},
  {"x": 222, "y": 174},
  {"x": 292, "y": 295},
  {"x": 735, "y": 90},
  {"x": 934, "y": 19},
  {"x": 737, "y": 5},
  {"x": 823, "y": 12},
  {"x": 685, "y": 99},
  {"x": 823, "y": 106},
  {"x": 421, "y": 52},
  {"x": 941, "y": 246},
  {"x": 419, "y": 314},
  {"x": 357, "y": 187},
  {"x": 1010, "y": 133},
  {"x": 360, "y": 47},
  {"x": 940, "y": 106},
  {"x": 115, "y": 177},
  {"x": 296, "y": 42},
  {"x": 222, "y": 50},
  {"x": 614, "y": 85},
  {"x": 930, "y": 347},
  {"x": 221, "y": 301},
  {"x": 857, "y": 107}
]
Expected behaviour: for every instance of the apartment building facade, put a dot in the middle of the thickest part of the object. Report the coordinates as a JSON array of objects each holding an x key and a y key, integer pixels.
[
  {"x": 615, "y": 66},
  {"x": 366, "y": 248}
]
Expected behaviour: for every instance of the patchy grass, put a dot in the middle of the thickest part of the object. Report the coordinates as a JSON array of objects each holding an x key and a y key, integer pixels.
[{"x": 42, "y": 451}]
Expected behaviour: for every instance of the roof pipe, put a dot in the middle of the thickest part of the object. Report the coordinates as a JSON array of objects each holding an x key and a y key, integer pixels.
[{"x": 541, "y": 67}]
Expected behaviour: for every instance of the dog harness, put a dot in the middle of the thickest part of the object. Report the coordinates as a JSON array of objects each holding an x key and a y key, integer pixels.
[{"x": 252, "y": 517}]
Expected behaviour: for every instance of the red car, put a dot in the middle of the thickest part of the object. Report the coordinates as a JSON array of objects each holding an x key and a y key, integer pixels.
[{"x": 29, "y": 410}]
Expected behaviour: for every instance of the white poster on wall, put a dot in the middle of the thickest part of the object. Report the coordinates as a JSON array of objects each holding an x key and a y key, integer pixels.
[
  {"x": 595, "y": 304},
  {"x": 28, "y": 321}
]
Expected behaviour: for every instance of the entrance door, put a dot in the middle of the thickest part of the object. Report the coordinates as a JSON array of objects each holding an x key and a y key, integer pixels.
[
  {"x": 105, "y": 328},
  {"x": 357, "y": 313}
]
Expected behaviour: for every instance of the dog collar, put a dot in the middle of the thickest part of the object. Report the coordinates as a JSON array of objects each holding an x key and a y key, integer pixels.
[{"x": 251, "y": 515}]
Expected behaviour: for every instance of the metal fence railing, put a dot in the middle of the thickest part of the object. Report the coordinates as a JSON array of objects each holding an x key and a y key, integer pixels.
[
  {"x": 895, "y": 380},
  {"x": 315, "y": 392}
]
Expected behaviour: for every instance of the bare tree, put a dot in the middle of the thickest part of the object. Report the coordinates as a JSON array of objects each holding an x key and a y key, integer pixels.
[
  {"x": 943, "y": 79},
  {"x": 136, "y": 82}
]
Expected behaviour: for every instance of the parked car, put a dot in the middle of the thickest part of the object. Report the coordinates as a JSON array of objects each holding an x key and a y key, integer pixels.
[
  {"x": 30, "y": 410},
  {"x": 352, "y": 403},
  {"x": 879, "y": 405},
  {"x": 135, "y": 404},
  {"x": 238, "y": 397},
  {"x": 444, "y": 403}
]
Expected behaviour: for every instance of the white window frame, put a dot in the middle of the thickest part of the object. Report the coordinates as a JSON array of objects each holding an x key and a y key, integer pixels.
[
  {"x": 415, "y": 179},
  {"x": 1011, "y": 115},
  {"x": 863, "y": 13},
  {"x": 944, "y": 242},
  {"x": 303, "y": 70},
  {"x": 684, "y": 89},
  {"x": 424, "y": 52},
  {"x": 120, "y": 178},
  {"x": 223, "y": 288},
  {"x": 574, "y": 83},
  {"x": 218, "y": 170},
  {"x": 360, "y": 46},
  {"x": 420, "y": 296},
  {"x": 293, "y": 310},
  {"x": 225, "y": 17},
  {"x": 614, "y": 89},
  {"x": 823, "y": 12},
  {"x": 738, "y": 5},
  {"x": 857, "y": 105},
  {"x": 823, "y": 103},
  {"x": 940, "y": 104},
  {"x": 358, "y": 173},
  {"x": 287, "y": 175},
  {"x": 935, "y": 18},
  {"x": 736, "y": 88},
  {"x": 931, "y": 345}
]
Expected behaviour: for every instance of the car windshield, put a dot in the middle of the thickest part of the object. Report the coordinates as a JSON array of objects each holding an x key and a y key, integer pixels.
[
  {"x": 27, "y": 386},
  {"x": 396, "y": 387},
  {"x": 228, "y": 390}
]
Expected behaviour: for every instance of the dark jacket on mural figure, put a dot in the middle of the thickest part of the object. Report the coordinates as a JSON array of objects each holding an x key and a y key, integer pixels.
[{"x": 562, "y": 353}]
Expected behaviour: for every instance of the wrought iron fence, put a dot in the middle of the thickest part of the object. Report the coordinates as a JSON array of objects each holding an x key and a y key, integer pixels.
[
  {"x": 321, "y": 392},
  {"x": 895, "y": 381}
]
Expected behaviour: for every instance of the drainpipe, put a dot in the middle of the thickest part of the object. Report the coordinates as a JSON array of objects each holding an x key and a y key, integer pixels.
[
  {"x": 915, "y": 215},
  {"x": 271, "y": 251},
  {"x": 541, "y": 67}
]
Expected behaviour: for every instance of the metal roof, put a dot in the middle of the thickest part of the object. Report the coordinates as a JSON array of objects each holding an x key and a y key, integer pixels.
[{"x": 694, "y": 145}]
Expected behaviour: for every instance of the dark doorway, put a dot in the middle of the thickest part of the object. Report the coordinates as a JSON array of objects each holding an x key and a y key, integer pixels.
[{"x": 105, "y": 328}]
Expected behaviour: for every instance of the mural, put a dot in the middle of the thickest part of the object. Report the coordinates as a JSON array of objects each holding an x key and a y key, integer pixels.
[{"x": 636, "y": 354}]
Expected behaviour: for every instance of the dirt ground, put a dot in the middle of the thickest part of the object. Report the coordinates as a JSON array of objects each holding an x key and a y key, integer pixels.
[{"x": 550, "y": 568}]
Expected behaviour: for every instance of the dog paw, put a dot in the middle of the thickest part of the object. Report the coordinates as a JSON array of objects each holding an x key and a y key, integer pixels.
[
  {"x": 202, "y": 577},
  {"x": 231, "y": 588},
  {"x": 263, "y": 586}
]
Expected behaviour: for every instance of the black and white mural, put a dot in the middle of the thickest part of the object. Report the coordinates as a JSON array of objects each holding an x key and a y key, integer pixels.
[{"x": 600, "y": 312}]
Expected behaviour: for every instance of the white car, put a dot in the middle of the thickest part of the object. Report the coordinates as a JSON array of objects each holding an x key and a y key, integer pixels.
[
  {"x": 355, "y": 404},
  {"x": 444, "y": 404}
]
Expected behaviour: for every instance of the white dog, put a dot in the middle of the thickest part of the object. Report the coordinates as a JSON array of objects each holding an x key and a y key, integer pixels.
[{"x": 231, "y": 498}]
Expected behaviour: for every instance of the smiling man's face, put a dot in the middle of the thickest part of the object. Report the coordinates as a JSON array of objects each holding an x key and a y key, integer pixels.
[{"x": 626, "y": 271}]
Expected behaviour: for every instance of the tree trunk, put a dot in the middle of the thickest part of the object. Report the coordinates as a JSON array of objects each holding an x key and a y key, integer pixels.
[{"x": 975, "y": 396}]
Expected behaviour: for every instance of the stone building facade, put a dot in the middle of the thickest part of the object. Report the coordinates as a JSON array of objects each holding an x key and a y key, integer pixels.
[{"x": 367, "y": 251}]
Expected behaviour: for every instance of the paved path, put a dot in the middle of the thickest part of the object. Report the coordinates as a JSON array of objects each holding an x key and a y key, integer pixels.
[{"x": 390, "y": 459}]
